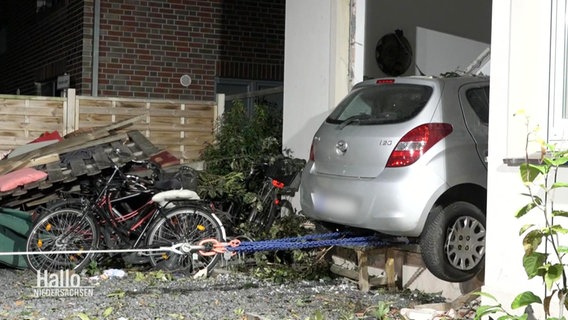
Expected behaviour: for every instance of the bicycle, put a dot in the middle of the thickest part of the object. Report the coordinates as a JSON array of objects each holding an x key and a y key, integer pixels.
[
  {"x": 124, "y": 211},
  {"x": 281, "y": 182}
]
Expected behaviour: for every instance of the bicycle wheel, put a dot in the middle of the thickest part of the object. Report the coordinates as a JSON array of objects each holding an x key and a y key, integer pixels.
[
  {"x": 66, "y": 229},
  {"x": 188, "y": 224}
]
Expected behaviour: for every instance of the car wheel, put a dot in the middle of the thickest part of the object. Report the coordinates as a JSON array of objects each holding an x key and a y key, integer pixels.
[{"x": 453, "y": 242}]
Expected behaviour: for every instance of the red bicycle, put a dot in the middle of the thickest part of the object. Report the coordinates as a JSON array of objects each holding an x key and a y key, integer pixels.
[{"x": 126, "y": 214}]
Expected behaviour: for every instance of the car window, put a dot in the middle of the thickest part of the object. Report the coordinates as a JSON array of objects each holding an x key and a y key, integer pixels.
[
  {"x": 390, "y": 103},
  {"x": 478, "y": 98}
]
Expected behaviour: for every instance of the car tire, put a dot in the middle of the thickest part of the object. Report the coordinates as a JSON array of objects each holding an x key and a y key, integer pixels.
[{"x": 453, "y": 241}]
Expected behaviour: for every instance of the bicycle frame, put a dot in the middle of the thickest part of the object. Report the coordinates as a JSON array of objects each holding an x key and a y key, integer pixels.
[
  {"x": 124, "y": 225},
  {"x": 115, "y": 214}
]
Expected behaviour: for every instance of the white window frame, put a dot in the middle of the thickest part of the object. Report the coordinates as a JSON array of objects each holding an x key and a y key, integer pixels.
[{"x": 558, "y": 113}]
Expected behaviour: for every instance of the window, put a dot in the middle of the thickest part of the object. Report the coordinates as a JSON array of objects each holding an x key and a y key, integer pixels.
[
  {"x": 478, "y": 98},
  {"x": 559, "y": 72},
  {"x": 247, "y": 91},
  {"x": 374, "y": 104},
  {"x": 47, "y": 5}
]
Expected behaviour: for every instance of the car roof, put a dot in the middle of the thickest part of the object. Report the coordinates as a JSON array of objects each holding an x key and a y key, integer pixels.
[{"x": 453, "y": 78}]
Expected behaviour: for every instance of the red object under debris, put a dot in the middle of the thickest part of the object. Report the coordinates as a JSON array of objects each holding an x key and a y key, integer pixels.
[
  {"x": 164, "y": 158},
  {"x": 46, "y": 136}
]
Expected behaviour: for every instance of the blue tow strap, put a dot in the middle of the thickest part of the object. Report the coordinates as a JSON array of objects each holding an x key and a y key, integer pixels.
[{"x": 344, "y": 239}]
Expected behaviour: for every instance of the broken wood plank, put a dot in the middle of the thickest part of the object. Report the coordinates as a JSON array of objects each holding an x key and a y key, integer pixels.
[
  {"x": 44, "y": 185},
  {"x": 93, "y": 143},
  {"x": 143, "y": 143},
  {"x": 123, "y": 124},
  {"x": 122, "y": 151},
  {"x": 363, "y": 268},
  {"x": 54, "y": 173},
  {"x": 42, "y": 198},
  {"x": 92, "y": 169},
  {"x": 354, "y": 275},
  {"x": 19, "y": 191},
  {"x": 78, "y": 167},
  {"x": 67, "y": 145},
  {"x": 101, "y": 158},
  {"x": 17, "y": 201},
  {"x": 54, "y": 157}
]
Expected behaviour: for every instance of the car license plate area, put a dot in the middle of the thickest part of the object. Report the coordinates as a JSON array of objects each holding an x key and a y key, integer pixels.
[{"x": 334, "y": 204}]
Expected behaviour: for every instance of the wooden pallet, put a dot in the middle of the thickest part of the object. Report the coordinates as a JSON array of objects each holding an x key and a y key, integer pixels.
[{"x": 79, "y": 156}]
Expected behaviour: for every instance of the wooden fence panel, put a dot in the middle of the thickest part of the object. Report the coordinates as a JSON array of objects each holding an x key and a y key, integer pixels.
[
  {"x": 181, "y": 127},
  {"x": 24, "y": 118}
]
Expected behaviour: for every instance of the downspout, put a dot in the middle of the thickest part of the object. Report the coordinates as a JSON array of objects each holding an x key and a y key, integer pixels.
[
  {"x": 352, "y": 29},
  {"x": 95, "y": 55}
]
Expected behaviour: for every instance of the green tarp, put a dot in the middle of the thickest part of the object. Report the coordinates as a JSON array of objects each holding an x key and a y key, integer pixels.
[{"x": 14, "y": 227}]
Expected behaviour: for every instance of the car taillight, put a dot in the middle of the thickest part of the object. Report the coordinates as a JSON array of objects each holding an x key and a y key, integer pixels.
[
  {"x": 416, "y": 142},
  {"x": 312, "y": 153},
  {"x": 384, "y": 81}
]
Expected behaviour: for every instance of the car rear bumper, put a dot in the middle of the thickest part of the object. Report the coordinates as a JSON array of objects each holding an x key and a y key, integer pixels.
[{"x": 396, "y": 202}]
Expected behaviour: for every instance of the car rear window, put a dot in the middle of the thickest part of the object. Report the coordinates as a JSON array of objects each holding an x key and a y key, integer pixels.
[{"x": 377, "y": 104}]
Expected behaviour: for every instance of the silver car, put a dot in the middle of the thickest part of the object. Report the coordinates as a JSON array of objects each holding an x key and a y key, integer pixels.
[{"x": 406, "y": 157}]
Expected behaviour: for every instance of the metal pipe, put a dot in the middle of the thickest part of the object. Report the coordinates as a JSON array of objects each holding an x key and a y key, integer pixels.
[{"x": 95, "y": 53}]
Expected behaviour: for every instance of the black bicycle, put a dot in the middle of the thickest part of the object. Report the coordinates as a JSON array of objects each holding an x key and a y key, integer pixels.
[{"x": 281, "y": 182}]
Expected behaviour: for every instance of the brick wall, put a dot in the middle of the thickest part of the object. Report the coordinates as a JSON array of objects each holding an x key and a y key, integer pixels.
[
  {"x": 145, "y": 46},
  {"x": 40, "y": 45},
  {"x": 252, "y": 40}
]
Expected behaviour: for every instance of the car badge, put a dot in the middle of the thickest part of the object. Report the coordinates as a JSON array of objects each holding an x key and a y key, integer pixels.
[{"x": 341, "y": 147}]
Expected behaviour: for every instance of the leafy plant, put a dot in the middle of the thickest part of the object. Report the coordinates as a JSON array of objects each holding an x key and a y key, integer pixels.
[
  {"x": 93, "y": 268},
  {"x": 318, "y": 315},
  {"x": 382, "y": 310},
  {"x": 543, "y": 249},
  {"x": 243, "y": 140}
]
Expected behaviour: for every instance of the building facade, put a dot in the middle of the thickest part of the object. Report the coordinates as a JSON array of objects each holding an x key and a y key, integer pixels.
[{"x": 171, "y": 49}]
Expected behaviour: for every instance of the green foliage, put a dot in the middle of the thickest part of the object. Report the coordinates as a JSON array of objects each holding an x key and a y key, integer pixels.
[
  {"x": 153, "y": 276},
  {"x": 382, "y": 310},
  {"x": 317, "y": 315},
  {"x": 543, "y": 254},
  {"x": 242, "y": 140},
  {"x": 291, "y": 265},
  {"x": 229, "y": 186},
  {"x": 93, "y": 269}
]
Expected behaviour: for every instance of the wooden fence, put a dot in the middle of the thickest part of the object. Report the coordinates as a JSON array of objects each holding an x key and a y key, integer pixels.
[{"x": 181, "y": 127}]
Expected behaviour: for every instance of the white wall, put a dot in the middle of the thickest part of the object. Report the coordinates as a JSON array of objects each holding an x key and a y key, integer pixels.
[
  {"x": 462, "y": 18},
  {"x": 519, "y": 80},
  {"x": 316, "y": 74},
  {"x": 438, "y": 52}
]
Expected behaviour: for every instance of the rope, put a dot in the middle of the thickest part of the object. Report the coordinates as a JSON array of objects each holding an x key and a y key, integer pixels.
[
  {"x": 313, "y": 241},
  {"x": 179, "y": 248},
  {"x": 208, "y": 247}
]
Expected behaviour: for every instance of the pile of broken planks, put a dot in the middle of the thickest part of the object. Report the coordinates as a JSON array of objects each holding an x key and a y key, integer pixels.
[{"x": 80, "y": 154}]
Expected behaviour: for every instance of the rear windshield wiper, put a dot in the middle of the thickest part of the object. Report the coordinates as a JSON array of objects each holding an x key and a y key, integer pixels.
[{"x": 355, "y": 119}]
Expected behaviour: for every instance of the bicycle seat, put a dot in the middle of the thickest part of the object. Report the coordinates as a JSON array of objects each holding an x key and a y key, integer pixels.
[{"x": 165, "y": 197}]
